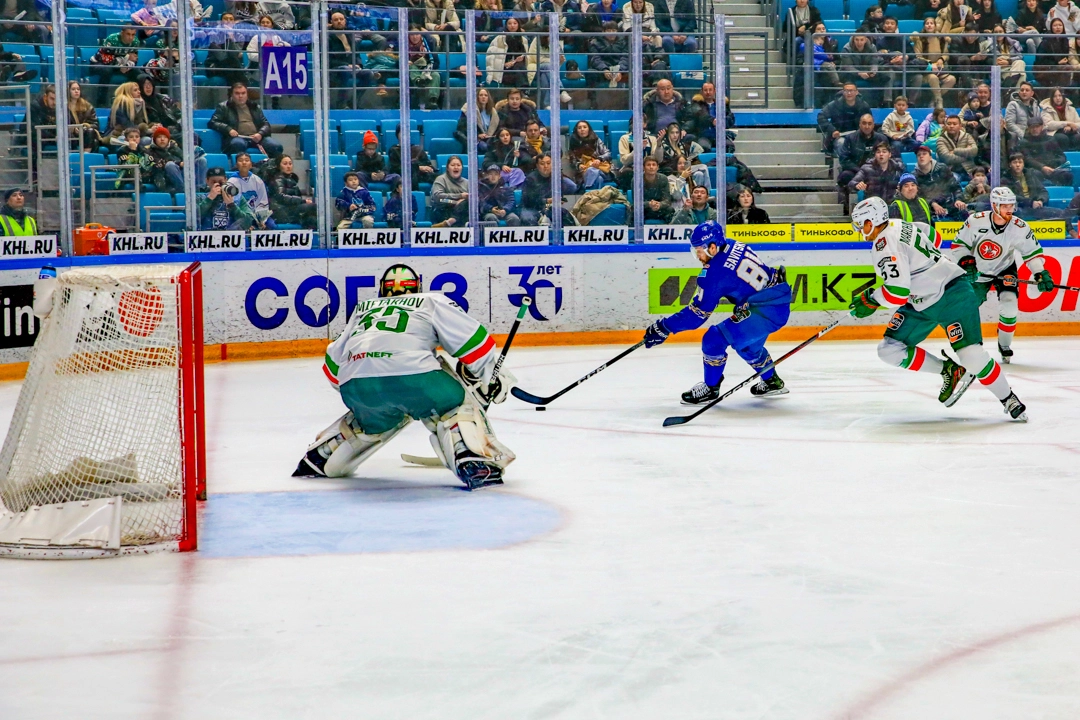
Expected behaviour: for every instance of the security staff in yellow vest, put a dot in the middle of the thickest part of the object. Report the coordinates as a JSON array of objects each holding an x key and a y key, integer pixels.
[
  {"x": 908, "y": 206},
  {"x": 13, "y": 217}
]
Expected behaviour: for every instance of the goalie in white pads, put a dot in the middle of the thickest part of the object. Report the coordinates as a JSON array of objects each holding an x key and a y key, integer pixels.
[
  {"x": 926, "y": 290},
  {"x": 386, "y": 368},
  {"x": 986, "y": 246}
]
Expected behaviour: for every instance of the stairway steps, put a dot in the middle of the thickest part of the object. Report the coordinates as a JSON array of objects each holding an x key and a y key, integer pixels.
[
  {"x": 779, "y": 134},
  {"x": 743, "y": 145},
  {"x": 781, "y": 159},
  {"x": 791, "y": 172}
]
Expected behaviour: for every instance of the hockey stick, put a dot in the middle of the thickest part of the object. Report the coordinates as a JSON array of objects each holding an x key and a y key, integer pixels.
[
  {"x": 682, "y": 420},
  {"x": 525, "y": 303},
  {"x": 1031, "y": 282},
  {"x": 537, "y": 400}
]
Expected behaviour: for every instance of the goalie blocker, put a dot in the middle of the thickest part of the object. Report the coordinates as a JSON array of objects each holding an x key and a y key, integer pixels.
[{"x": 387, "y": 370}]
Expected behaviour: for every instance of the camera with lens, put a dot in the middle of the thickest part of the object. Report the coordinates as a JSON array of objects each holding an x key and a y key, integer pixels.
[{"x": 230, "y": 190}]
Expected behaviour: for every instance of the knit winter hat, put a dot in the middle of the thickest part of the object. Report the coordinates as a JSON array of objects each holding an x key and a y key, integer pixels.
[
  {"x": 370, "y": 137},
  {"x": 161, "y": 131}
]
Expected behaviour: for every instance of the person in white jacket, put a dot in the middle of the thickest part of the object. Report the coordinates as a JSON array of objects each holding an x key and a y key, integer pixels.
[
  {"x": 1061, "y": 120},
  {"x": 263, "y": 37},
  {"x": 648, "y": 22},
  {"x": 1068, "y": 13},
  {"x": 253, "y": 189}
]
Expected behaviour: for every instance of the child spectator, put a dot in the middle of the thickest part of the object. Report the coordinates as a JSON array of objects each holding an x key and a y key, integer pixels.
[
  {"x": 371, "y": 165},
  {"x": 392, "y": 209},
  {"x": 355, "y": 203},
  {"x": 132, "y": 153},
  {"x": 899, "y": 127},
  {"x": 166, "y": 161},
  {"x": 978, "y": 190}
]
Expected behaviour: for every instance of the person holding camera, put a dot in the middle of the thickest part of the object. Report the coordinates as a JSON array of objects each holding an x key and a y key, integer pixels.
[{"x": 222, "y": 207}]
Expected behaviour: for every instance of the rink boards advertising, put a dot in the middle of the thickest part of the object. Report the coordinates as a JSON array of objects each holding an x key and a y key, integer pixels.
[{"x": 268, "y": 295}]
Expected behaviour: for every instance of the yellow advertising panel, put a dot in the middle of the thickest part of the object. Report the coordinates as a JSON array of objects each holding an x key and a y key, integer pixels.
[
  {"x": 1043, "y": 229},
  {"x": 826, "y": 232},
  {"x": 781, "y": 232},
  {"x": 948, "y": 230}
]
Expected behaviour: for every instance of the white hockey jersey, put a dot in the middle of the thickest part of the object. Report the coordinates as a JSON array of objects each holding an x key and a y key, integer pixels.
[
  {"x": 994, "y": 251},
  {"x": 907, "y": 258},
  {"x": 398, "y": 336}
]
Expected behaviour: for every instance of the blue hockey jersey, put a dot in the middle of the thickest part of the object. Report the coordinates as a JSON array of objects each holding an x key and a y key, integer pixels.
[{"x": 738, "y": 274}]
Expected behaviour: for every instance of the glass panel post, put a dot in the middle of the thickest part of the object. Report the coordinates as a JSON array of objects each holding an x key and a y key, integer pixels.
[
  {"x": 637, "y": 93},
  {"x": 470, "y": 118},
  {"x": 995, "y": 124},
  {"x": 554, "y": 129},
  {"x": 405, "y": 125},
  {"x": 63, "y": 144},
  {"x": 320, "y": 49},
  {"x": 185, "y": 26},
  {"x": 719, "y": 79}
]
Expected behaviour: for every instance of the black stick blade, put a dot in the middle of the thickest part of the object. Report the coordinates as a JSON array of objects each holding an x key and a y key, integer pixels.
[
  {"x": 676, "y": 420},
  {"x": 527, "y": 397}
]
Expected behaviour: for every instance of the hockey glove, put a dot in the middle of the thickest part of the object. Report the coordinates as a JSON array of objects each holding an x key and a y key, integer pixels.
[
  {"x": 656, "y": 334},
  {"x": 741, "y": 312},
  {"x": 969, "y": 266},
  {"x": 1044, "y": 281},
  {"x": 864, "y": 304}
]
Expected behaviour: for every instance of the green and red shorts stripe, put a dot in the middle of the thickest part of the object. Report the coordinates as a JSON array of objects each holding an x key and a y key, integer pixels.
[
  {"x": 990, "y": 373},
  {"x": 476, "y": 347}
]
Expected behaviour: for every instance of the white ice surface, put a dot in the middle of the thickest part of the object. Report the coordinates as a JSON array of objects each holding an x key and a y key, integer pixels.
[{"x": 851, "y": 550}]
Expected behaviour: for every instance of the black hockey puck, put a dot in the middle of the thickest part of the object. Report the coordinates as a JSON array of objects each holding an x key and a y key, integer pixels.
[{"x": 540, "y": 407}]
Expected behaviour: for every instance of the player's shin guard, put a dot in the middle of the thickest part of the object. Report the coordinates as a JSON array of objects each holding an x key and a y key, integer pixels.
[
  {"x": 916, "y": 359},
  {"x": 989, "y": 373},
  {"x": 1008, "y": 307},
  {"x": 761, "y": 361}
]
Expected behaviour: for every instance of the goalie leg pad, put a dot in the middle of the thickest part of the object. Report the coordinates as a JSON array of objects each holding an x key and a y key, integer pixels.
[
  {"x": 466, "y": 444},
  {"x": 341, "y": 448}
]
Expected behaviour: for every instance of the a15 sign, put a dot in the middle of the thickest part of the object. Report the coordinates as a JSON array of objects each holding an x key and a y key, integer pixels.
[{"x": 284, "y": 70}]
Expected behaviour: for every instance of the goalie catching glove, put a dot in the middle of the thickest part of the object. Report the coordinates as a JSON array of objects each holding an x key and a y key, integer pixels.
[{"x": 864, "y": 304}]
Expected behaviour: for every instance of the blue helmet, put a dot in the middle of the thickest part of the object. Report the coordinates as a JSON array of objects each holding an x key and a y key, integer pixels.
[{"x": 706, "y": 233}]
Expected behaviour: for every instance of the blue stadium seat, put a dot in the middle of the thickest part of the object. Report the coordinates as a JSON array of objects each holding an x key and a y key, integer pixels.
[
  {"x": 209, "y": 140},
  {"x": 438, "y": 130},
  {"x": 686, "y": 70},
  {"x": 583, "y": 65},
  {"x": 360, "y": 126},
  {"x": 611, "y": 215},
  {"x": 730, "y": 174},
  {"x": 441, "y": 146},
  {"x": 906, "y": 27},
  {"x": 909, "y": 160},
  {"x": 389, "y": 130},
  {"x": 1060, "y": 197},
  {"x": 420, "y": 203},
  {"x": 841, "y": 26},
  {"x": 218, "y": 160}
]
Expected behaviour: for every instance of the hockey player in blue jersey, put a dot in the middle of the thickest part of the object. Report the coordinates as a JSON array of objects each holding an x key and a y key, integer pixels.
[{"x": 762, "y": 300}]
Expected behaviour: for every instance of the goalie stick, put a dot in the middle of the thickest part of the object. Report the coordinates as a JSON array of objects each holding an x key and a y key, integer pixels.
[
  {"x": 537, "y": 400},
  {"x": 525, "y": 303},
  {"x": 683, "y": 419},
  {"x": 1031, "y": 282}
]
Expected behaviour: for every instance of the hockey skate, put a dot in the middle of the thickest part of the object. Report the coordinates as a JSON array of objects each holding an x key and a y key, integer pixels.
[
  {"x": 477, "y": 474},
  {"x": 700, "y": 394},
  {"x": 957, "y": 381},
  {"x": 1014, "y": 408},
  {"x": 767, "y": 388},
  {"x": 1006, "y": 354}
]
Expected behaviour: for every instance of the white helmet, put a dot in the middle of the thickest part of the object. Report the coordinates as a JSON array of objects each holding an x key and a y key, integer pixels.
[
  {"x": 873, "y": 209},
  {"x": 1002, "y": 196}
]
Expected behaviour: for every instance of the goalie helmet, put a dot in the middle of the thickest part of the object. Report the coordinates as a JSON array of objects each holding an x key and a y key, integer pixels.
[
  {"x": 399, "y": 280},
  {"x": 873, "y": 209}
]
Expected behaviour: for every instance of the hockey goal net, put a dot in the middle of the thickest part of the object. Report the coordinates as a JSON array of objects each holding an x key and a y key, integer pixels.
[{"x": 105, "y": 453}]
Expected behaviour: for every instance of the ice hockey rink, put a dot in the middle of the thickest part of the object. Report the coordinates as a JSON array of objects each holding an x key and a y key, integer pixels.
[{"x": 852, "y": 550}]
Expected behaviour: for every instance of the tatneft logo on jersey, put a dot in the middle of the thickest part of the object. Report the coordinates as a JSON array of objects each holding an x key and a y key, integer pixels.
[
  {"x": 28, "y": 246},
  {"x": 442, "y": 237},
  {"x": 372, "y": 354},
  {"x": 282, "y": 239},
  {"x": 19, "y": 326},
  {"x": 215, "y": 241},
  {"x": 138, "y": 243},
  {"x": 369, "y": 239},
  {"x": 989, "y": 250}
]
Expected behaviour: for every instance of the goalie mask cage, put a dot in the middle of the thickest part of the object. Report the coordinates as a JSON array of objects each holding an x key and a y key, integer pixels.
[{"x": 105, "y": 454}]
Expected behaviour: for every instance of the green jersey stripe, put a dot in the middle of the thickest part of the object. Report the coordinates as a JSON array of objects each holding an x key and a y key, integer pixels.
[
  {"x": 478, "y": 337},
  {"x": 331, "y": 365}
]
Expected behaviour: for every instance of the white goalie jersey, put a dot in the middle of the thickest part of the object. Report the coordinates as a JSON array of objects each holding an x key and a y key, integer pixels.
[
  {"x": 398, "y": 336},
  {"x": 995, "y": 250},
  {"x": 911, "y": 266}
]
